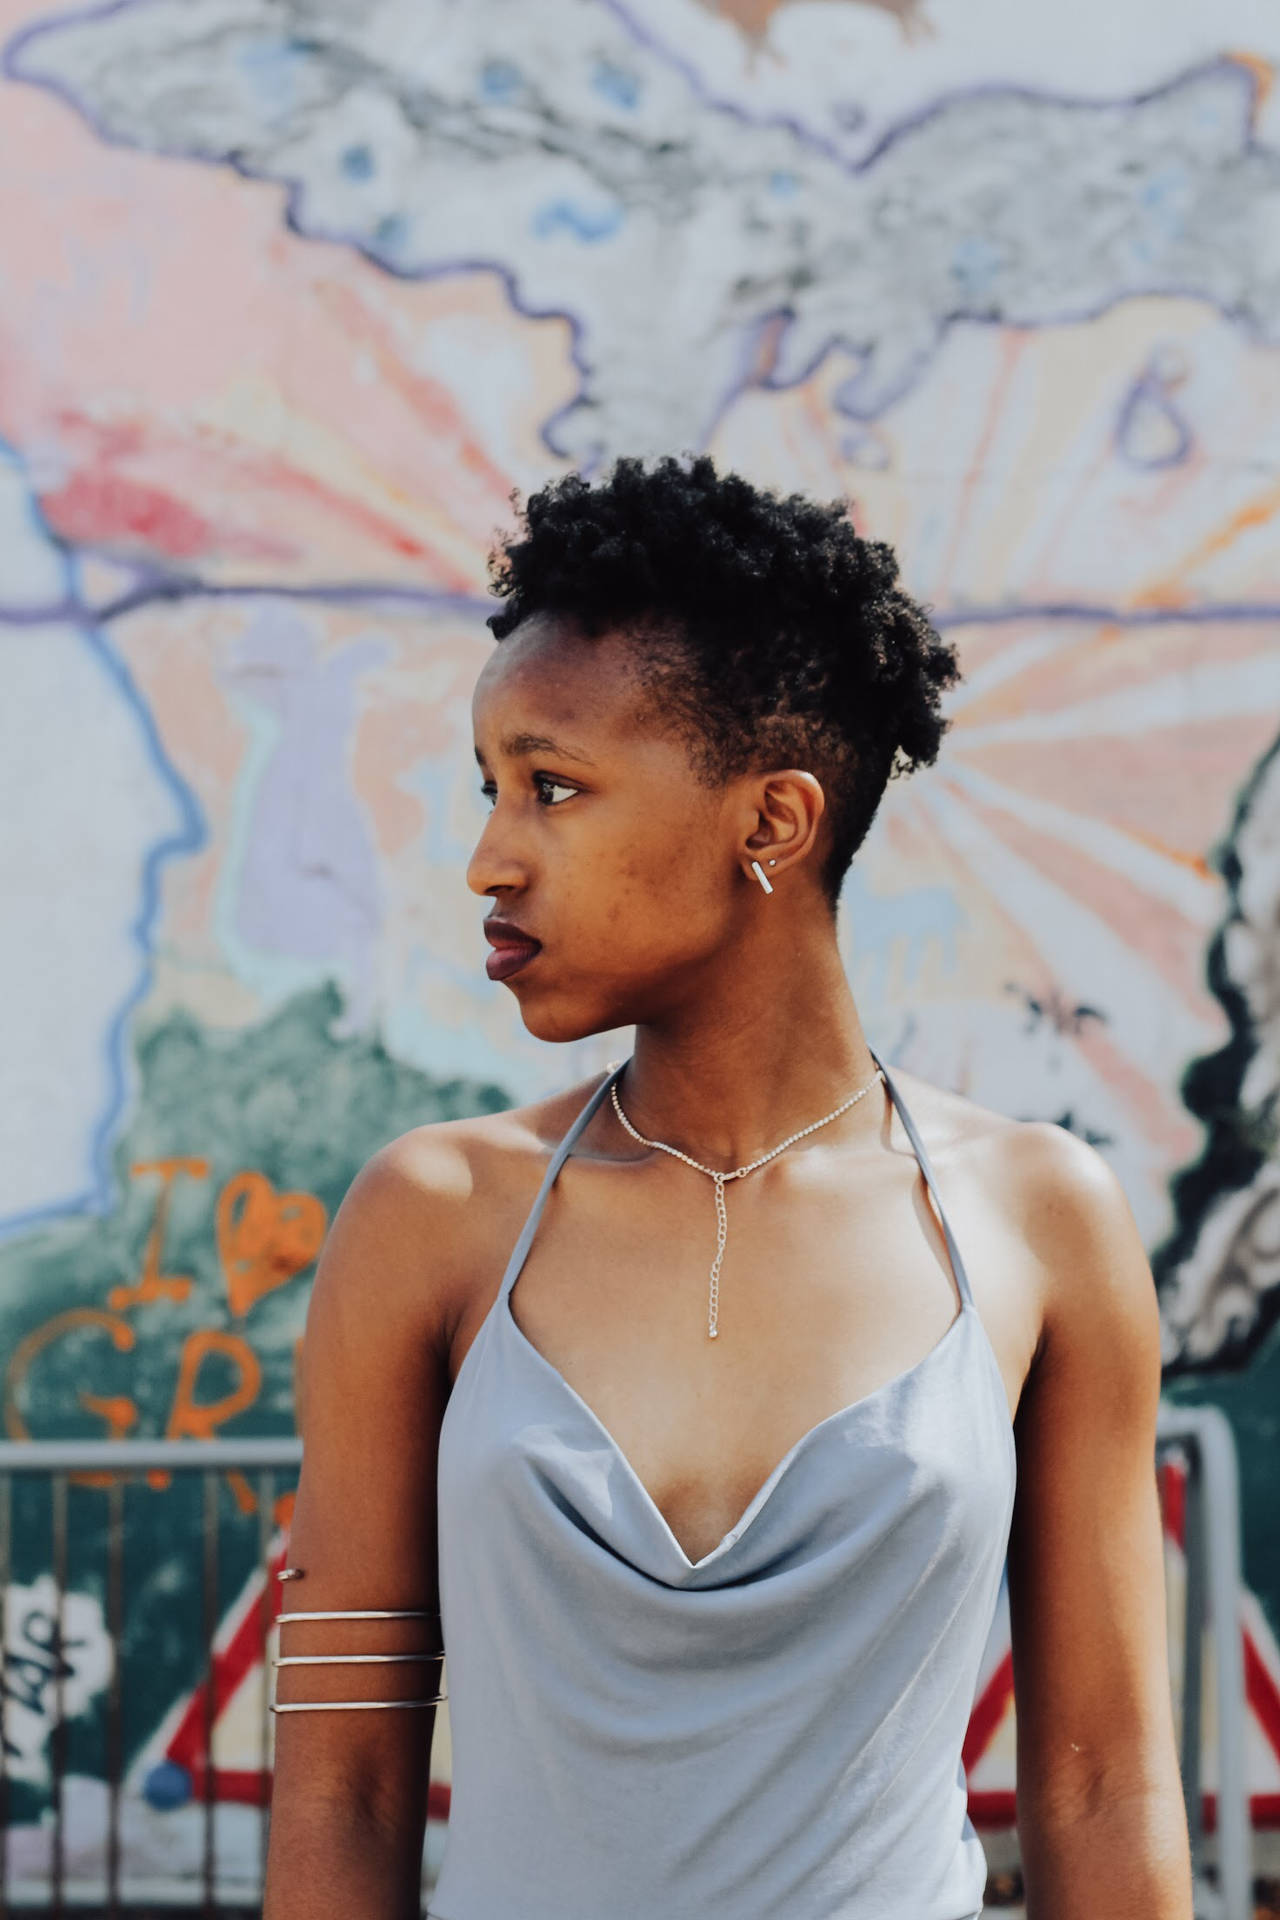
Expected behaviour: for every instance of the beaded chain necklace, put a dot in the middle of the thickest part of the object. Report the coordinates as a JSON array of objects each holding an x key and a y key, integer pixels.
[{"x": 738, "y": 1173}]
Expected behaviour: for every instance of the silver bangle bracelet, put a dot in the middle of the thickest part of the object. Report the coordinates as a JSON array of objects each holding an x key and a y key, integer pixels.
[
  {"x": 349, "y": 1659},
  {"x": 347, "y": 1706},
  {"x": 365, "y": 1613}
]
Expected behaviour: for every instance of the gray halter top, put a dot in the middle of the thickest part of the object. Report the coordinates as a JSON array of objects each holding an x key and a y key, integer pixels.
[{"x": 771, "y": 1732}]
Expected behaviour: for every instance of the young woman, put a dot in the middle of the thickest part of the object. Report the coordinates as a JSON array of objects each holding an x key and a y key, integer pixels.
[{"x": 718, "y": 1473}]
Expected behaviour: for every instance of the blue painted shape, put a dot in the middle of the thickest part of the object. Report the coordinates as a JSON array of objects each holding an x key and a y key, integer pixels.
[
  {"x": 1168, "y": 198},
  {"x": 167, "y": 1786},
  {"x": 358, "y": 163},
  {"x": 391, "y": 233},
  {"x": 501, "y": 80},
  {"x": 784, "y": 184},
  {"x": 616, "y": 83},
  {"x": 581, "y": 221},
  {"x": 272, "y": 68},
  {"x": 188, "y": 839},
  {"x": 975, "y": 265}
]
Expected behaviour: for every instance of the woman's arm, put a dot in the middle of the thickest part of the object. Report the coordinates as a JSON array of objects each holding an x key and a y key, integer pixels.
[
  {"x": 1100, "y": 1811},
  {"x": 349, "y": 1801}
]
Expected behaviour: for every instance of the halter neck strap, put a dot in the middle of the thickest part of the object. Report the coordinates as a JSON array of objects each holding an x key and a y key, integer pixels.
[
  {"x": 930, "y": 1180},
  {"x": 520, "y": 1252}
]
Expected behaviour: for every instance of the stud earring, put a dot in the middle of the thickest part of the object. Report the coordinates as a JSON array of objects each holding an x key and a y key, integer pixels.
[{"x": 762, "y": 876}]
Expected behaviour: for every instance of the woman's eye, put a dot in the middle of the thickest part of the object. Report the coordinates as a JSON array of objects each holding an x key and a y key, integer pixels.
[
  {"x": 489, "y": 791},
  {"x": 548, "y": 787}
]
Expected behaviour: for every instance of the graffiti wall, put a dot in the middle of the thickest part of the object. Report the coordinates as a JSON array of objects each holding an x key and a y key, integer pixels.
[{"x": 295, "y": 295}]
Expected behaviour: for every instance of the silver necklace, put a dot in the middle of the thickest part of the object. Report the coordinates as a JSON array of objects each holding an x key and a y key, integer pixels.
[{"x": 738, "y": 1173}]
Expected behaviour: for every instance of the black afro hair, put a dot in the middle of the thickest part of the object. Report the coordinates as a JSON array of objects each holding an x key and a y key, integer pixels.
[{"x": 768, "y": 630}]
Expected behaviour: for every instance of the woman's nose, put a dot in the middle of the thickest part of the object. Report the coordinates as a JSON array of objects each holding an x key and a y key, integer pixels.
[{"x": 495, "y": 864}]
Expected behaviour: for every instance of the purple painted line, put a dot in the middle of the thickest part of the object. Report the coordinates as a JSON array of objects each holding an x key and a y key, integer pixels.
[
  {"x": 743, "y": 379},
  {"x": 1084, "y": 612},
  {"x": 54, "y": 23},
  {"x": 644, "y": 36},
  {"x": 1239, "y": 613},
  {"x": 343, "y": 593},
  {"x": 998, "y": 90},
  {"x": 333, "y": 593}
]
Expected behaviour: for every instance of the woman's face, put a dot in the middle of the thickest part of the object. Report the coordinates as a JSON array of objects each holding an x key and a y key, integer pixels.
[{"x": 615, "y": 870}]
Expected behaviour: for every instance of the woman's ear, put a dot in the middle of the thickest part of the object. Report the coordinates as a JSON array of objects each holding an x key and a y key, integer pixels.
[{"x": 787, "y": 810}]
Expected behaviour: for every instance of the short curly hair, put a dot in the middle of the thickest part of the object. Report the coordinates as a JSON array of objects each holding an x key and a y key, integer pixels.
[{"x": 767, "y": 630}]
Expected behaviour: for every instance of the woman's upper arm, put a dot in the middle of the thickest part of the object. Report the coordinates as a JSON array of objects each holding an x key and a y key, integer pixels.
[
  {"x": 1086, "y": 1571},
  {"x": 372, "y": 1390}
]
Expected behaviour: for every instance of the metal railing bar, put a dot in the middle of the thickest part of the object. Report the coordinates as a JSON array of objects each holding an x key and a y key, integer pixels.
[
  {"x": 124, "y": 1456},
  {"x": 209, "y": 1612},
  {"x": 115, "y": 1695},
  {"x": 6, "y": 1530},
  {"x": 58, "y": 1731},
  {"x": 1222, "y": 1541},
  {"x": 266, "y": 1526},
  {"x": 1193, "y": 1659},
  {"x": 1206, "y": 1434}
]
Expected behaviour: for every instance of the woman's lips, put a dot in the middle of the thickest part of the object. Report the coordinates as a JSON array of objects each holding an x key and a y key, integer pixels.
[
  {"x": 513, "y": 948},
  {"x": 506, "y": 960}
]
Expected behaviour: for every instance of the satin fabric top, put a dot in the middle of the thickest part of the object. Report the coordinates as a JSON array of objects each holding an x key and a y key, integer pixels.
[{"x": 771, "y": 1732}]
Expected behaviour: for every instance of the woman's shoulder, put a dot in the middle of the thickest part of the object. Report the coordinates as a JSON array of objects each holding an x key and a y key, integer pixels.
[
  {"x": 1029, "y": 1159},
  {"x": 445, "y": 1162},
  {"x": 1054, "y": 1204},
  {"x": 434, "y": 1203},
  {"x": 424, "y": 1228}
]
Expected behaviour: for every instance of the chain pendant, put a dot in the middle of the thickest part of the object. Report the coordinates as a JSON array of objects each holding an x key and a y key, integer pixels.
[
  {"x": 722, "y": 1241},
  {"x": 736, "y": 1173}
]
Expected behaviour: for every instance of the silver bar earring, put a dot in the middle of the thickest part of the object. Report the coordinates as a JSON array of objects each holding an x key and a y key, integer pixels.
[{"x": 762, "y": 876}]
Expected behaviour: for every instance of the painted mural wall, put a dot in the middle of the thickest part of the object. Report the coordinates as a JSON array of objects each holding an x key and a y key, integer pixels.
[{"x": 295, "y": 293}]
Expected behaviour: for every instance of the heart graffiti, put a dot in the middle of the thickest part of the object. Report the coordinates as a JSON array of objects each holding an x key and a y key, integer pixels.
[{"x": 264, "y": 1237}]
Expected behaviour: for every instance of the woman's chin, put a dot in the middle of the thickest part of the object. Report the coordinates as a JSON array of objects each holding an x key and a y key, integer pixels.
[{"x": 546, "y": 1020}]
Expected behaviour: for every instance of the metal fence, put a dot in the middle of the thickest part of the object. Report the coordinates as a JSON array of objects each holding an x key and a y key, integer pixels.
[
  {"x": 112, "y": 1466},
  {"x": 1198, "y": 1439}
]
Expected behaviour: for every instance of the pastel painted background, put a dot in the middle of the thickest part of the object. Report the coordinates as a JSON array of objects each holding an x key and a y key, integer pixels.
[{"x": 293, "y": 293}]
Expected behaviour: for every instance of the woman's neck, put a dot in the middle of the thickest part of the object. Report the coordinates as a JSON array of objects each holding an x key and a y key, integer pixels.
[{"x": 769, "y": 1045}]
